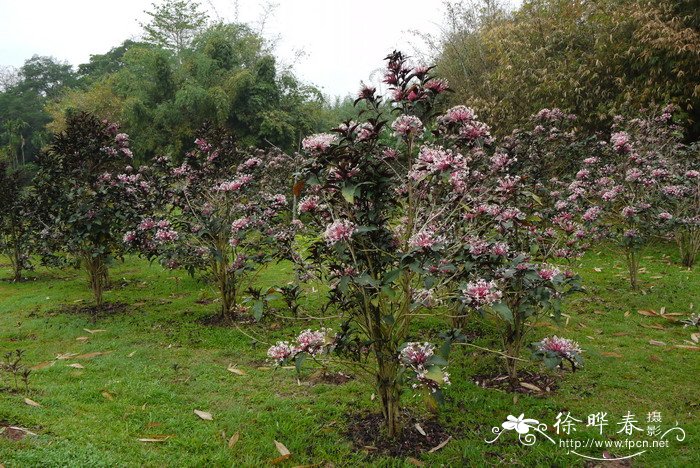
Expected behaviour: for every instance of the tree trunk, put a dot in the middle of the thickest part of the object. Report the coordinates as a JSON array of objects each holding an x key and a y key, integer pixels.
[
  {"x": 513, "y": 343},
  {"x": 632, "y": 255},
  {"x": 97, "y": 272},
  {"x": 389, "y": 391},
  {"x": 688, "y": 240}
]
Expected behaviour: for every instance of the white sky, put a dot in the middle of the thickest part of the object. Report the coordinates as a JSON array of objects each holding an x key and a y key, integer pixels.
[{"x": 344, "y": 40}]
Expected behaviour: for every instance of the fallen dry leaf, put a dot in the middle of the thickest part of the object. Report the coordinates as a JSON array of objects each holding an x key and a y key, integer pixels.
[
  {"x": 657, "y": 343},
  {"x": 647, "y": 312},
  {"x": 627, "y": 314},
  {"x": 282, "y": 449},
  {"x": 529, "y": 386},
  {"x": 693, "y": 348},
  {"x": 655, "y": 358},
  {"x": 440, "y": 445},
  {"x": 695, "y": 337},
  {"x": 107, "y": 395},
  {"x": 597, "y": 270},
  {"x": 31, "y": 402},
  {"x": 234, "y": 439},
  {"x": 82, "y": 338},
  {"x": 231, "y": 368},
  {"x": 92, "y": 332},
  {"x": 131, "y": 354},
  {"x": 43, "y": 365},
  {"x": 204, "y": 415},
  {"x": 619, "y": 334},
  {"x": 610, "y": 354},
  {"x": 75, "y": 365},
  {"x": 91, "y": 355},
  {"x": 420, "y": 429},
  {"x": 157, "y": 438},
  {"x": 654, "y": 326},
  {"x": 64, "y": 356},
  {"x": 284, "y": 453}
]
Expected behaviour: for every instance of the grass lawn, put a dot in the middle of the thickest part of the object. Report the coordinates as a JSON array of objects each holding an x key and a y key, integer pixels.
[{"x": 161, "y": 364}]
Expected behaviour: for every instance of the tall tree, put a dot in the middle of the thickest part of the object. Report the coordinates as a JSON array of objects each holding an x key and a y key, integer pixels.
[{"x": 174, "y": 23}]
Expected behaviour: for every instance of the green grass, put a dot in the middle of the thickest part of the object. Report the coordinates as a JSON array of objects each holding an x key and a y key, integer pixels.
[{"x": 162, "y": 365}]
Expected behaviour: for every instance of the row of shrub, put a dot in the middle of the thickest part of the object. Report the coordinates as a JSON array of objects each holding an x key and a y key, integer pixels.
[{"x": 408, "y": 211}]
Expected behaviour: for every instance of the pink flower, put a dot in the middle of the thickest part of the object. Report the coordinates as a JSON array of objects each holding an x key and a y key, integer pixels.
[
  {"x": 458, "y": 114},
  {"x": 437, "y": 85},
  {"x": 592, "y": 213},
  {"x": 423, "y": 239},
  {"x": 130, "y": 237},
  {"x": 234, "y": 185},
  {"x": 416, "y": 355},
  {"x": 313, "y": 342},
  {"x": 318, "y": 142},
  {"x": 692, "y": 174},
  {"x": 665, "y": 216},
  {"x": 280, "y": 352},
  {"x": 146, "y": 224},
  {"x": 202, "y": 145},
  {"x": 309, "y": 204},
  {"x": 407, "y": 125},
  {"x": 621, "y": 142},
  {"x": 481, "y": 293},
  {"x": 239, "y": 224},
  {"x": 166, "y": 235},
  {"x": 548, "y": 274},
  {"x": 560, "y": 346},
  {"x": 340, "y": 230},
  {"x": 499, "y": 249}
]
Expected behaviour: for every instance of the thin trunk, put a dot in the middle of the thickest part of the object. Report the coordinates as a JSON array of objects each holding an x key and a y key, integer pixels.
[
  {"x": 97, "y": 272},
  {"x": 688, "y": 240},
  {"x": 389, "y": 392},
  {"x": 632, "y": 255}
]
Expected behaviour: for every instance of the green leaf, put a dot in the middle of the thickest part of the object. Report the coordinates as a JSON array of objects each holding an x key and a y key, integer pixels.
[
  {"x": 504, "y": 311},
  {"x": 348, "y": 192},
  {"x": 299, "y": 360}
]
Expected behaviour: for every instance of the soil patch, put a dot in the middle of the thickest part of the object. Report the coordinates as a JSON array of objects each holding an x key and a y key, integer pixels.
[
  {"x": 367, "y": 433},
  {"x": 531, "y": 383}
]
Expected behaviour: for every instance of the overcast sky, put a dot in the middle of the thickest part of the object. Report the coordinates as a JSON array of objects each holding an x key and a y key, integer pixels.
[{"x": 344, "y": 40}]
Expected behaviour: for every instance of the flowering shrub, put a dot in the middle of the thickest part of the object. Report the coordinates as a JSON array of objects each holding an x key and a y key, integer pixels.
[
  {"x": 628, "y": 182},
  {"x": 220, "y": 219},
  {"x": 88, "y": 195},
  {"x": 518, "y": 222},
  {"x": 374, "y": 200},
  {"x": 553, "y": 351},
  {"x": 680, "y": 195}
]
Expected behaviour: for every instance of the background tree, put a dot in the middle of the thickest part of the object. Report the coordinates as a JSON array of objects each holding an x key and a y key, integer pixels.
[
  {"x": 174, "y": 24},
  {"x": 15, "y": 217},
  {"x": 592, "y": 58}
]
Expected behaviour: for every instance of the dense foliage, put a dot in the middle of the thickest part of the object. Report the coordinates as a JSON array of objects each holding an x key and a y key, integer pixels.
[
  {"x": 593, "y": 58},
  {"x": 87, "y": 195}
]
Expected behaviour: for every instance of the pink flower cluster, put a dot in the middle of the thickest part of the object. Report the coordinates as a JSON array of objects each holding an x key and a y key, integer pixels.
[
  {"x": 415, "y": 356},
  {"x": 234, "y": 185},
  {"x": 318, "y": 142},
  {"x": 309, "y": 341},
  {"x": 309, "y": 204},
  {"x": 424, "y": 239},
  {"x": 621, "y": 142},
  {"x": 481, "y": 293},
  {"x": 562, "y": 347},
  {"x": 340, "y": 230},
  {"x": 407, "y": 126}
]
